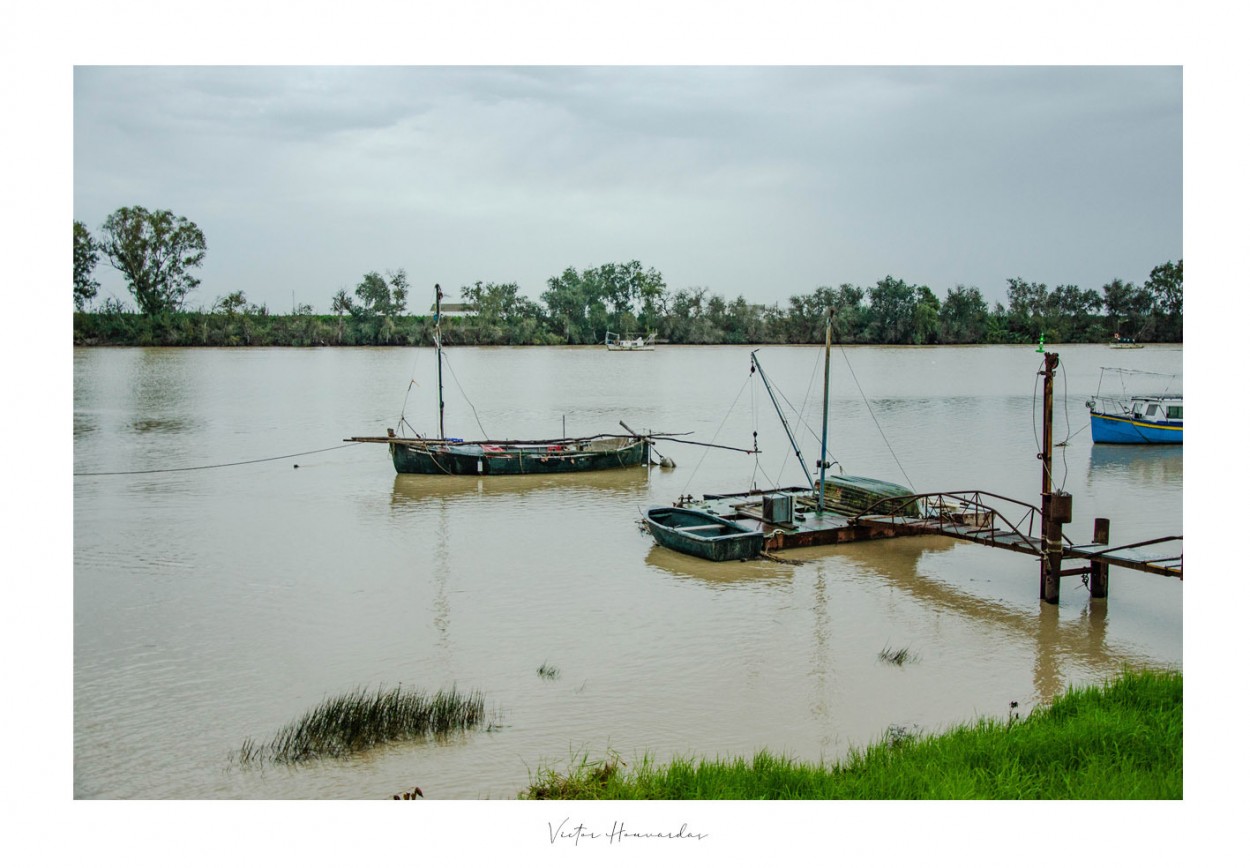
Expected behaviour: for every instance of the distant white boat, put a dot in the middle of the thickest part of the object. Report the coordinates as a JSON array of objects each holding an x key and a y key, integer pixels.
[{"x": 613, "y": 341}]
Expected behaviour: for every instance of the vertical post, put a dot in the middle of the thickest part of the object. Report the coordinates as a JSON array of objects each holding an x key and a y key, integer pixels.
[
  {"x": 1052, "y": 530},
  {"x": 1099, "y": 573},
  {"x": 438, "y": 350},
  {"x": 824, "y": 430}
]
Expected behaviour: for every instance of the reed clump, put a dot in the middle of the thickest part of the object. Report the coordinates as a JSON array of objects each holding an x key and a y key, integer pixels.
[
  {"x": 1120, "y": 740},
  {"x": 897, "y": 657},
  {"x": 364, "y": 719}
]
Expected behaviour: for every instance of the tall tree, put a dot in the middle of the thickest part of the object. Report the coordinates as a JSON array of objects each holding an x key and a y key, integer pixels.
[
  {"x": 964, "y": 316},
  {"x": 341, "y": 303},
  {"x": 1127, "y": 307},
  {"x": 155, "y": 251},
  {"x": 232, "y": 304},
  {"x": 1167, "y": 287},
  {"x": 584, "y": 305},
  {"x": 567, "y": 303},
  {"x": 893, "y": 311},
  {"x": 1076, "y": 311},
  {"x": 383, "y": 296},
  {"x": 926, "y": 316},
  {"x": 503, "y": 314},
  {"x": 86, "y": 255}
]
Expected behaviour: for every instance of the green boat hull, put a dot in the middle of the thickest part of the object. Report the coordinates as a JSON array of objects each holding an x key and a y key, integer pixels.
[
  {"x": 468, "y": 459},
  {"x": 703, "y": 535}
]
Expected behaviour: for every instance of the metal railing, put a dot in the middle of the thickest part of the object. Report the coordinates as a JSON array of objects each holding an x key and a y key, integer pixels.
[{"x": 963, "y": 510}]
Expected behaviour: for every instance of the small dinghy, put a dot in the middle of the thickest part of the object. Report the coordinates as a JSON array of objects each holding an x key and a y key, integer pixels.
[{"x": 707, "y": 536}]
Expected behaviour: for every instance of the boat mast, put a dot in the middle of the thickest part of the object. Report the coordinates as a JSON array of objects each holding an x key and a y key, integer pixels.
[
  {"x": 824, "y": 430},
  {"x": 784, "y": 423},
  {"x": 438, "y": 350}
]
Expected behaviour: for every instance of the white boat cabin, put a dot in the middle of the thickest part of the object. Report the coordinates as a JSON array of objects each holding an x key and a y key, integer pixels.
[{"x": 1156, "y": 408}]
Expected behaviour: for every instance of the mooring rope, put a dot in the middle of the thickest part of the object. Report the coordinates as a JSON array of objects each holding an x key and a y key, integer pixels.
[{"x": 211, "y": 466}]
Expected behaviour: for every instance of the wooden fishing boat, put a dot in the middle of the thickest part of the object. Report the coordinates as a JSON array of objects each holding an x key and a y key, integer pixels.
[
  {"x": 459, "y": 457},
  {"x": 1143, "y": 419},
  {"x": 505, "y": 457},
  {"x": 702, "y": 534}
]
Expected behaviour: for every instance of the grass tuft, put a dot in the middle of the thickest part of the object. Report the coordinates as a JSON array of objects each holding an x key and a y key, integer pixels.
[
  {"x": 898, "y": 658},
  {"x": 549, "y": 672},
  {"x": 360, "y": 720}
]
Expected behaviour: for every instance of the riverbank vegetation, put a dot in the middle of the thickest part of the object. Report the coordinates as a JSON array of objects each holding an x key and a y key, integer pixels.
[
  {"x": 361, "y": 720},
  {"x": 156, "y": 253},
  {"x": 579, "y": 310},
  {"x": 1120, "y": 740}
]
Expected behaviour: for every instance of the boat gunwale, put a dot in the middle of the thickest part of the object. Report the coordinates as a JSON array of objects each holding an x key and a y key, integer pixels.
[{"x": 423, "y": 442}]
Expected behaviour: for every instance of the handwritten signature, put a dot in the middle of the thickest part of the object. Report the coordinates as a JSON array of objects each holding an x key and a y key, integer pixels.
[{"x": 566, "y": 832}]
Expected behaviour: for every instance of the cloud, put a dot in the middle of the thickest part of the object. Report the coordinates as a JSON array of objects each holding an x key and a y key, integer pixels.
[{"x": 756, "y": 181}]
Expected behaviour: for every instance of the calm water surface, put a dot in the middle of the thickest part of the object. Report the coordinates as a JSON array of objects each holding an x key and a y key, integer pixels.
[{"x": 218, "y": 595}]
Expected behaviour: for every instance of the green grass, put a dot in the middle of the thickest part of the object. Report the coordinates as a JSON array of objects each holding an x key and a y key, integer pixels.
[
  {"x": 361, "y": 720},
  {"x": 549, "y": 672},
  {"x": 1121, "y": 740}
]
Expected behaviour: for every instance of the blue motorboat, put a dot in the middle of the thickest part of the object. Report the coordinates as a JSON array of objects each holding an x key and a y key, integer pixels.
[{"x": 1147, "y": 418}]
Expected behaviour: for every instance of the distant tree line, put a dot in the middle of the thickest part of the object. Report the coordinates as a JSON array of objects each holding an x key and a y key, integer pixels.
[{"x": 157, "y": 251}]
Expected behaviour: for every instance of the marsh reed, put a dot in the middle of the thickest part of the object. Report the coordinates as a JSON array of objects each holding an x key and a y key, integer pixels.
[{"x": 363, "y": 719}]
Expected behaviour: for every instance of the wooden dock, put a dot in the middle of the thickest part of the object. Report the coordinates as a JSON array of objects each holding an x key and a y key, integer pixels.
[{"x": 976, "y": 517}]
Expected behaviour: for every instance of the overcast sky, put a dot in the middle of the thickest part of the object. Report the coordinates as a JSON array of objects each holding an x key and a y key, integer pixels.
[{"x": 757, "y": 181}]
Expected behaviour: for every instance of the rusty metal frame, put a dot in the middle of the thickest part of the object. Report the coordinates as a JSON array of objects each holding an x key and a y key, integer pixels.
[{"x": 937, "y": 507}]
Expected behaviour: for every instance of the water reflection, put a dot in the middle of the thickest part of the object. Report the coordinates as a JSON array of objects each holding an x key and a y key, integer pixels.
[
  {"x": 898, "y": 563},
  {"x": 1132, "y": 463},
  {"x": 411, "y": 490},
  {"x": 84, "y": 424},
  {"x": 725, "y": 574},
  {"x": 159, "y": 426},
  {"x": 159, "y": 381}
]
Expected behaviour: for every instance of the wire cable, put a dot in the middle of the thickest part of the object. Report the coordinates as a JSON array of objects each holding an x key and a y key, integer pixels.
[
  {"x": 880, "y": 430},
  {"x": 210, "y": 466},
  {"x": 485, "y": 436},
  {"x": 695, "y": 472}
]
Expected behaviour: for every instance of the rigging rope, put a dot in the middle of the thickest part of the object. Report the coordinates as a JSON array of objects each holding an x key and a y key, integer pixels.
[
  {"x": 485, "y": 436},
  {"x": 1067, "y": 421},
  {"x": 412, "y": 381},
  {"x": 695, "y": 472},
  {"x": 880, "y": 430}
]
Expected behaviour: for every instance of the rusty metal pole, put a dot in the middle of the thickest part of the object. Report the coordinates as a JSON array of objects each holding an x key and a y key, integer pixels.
[
  {"x": 438, "y": 351},
  {"x": 1052, "y": 531},
  {"x": 824, "y": 427},
  {"x": 1099, "y": 573}
]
